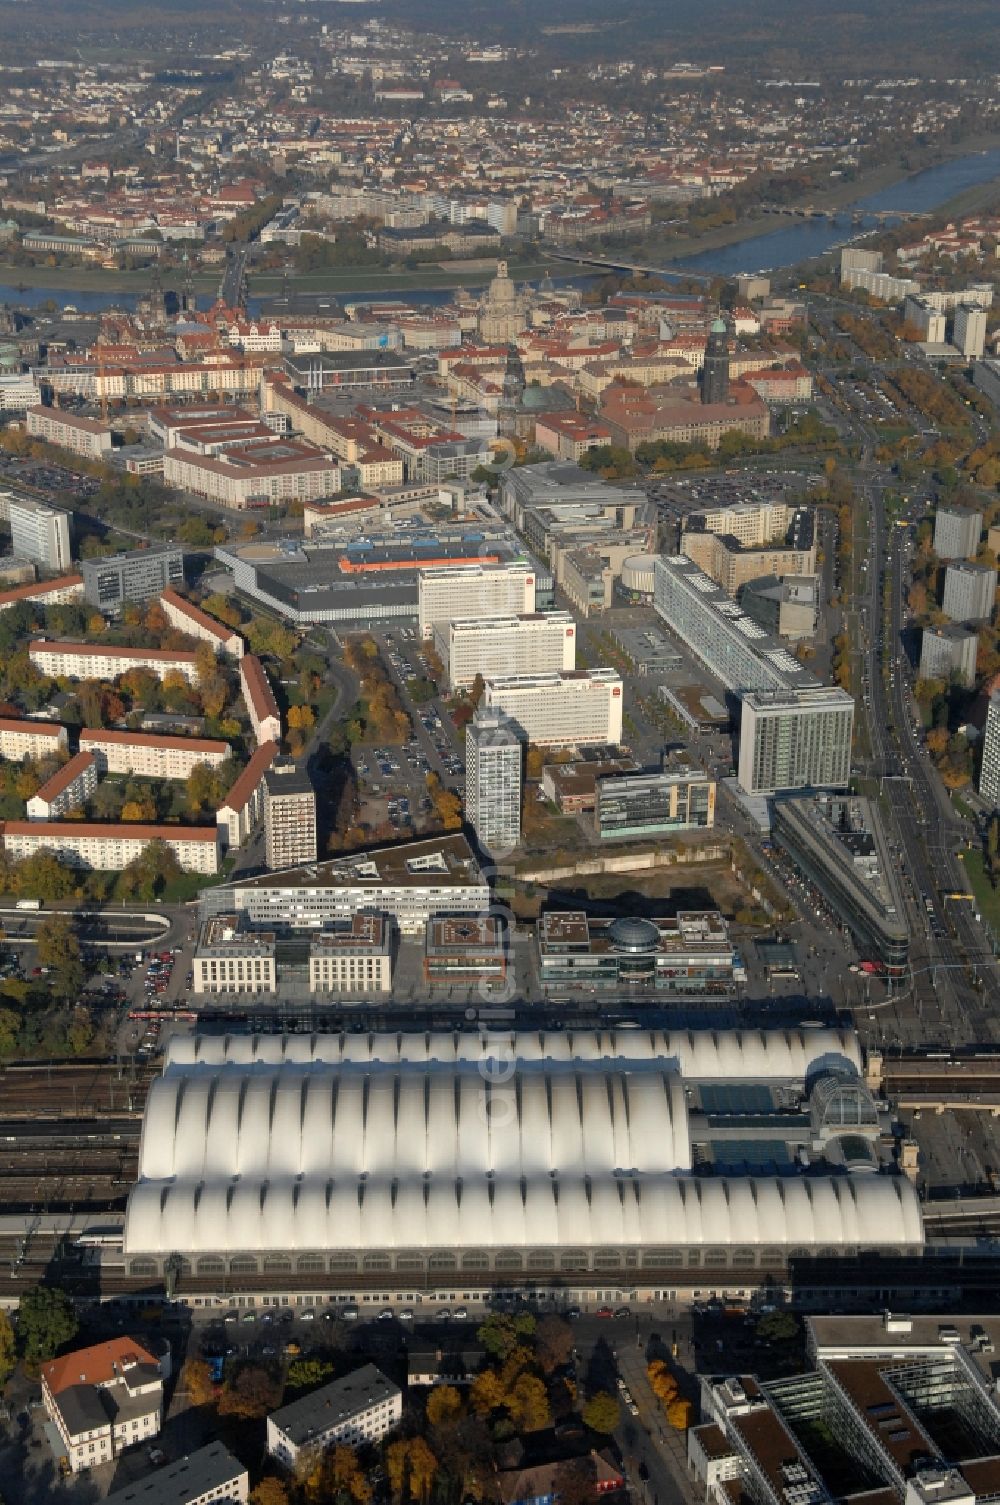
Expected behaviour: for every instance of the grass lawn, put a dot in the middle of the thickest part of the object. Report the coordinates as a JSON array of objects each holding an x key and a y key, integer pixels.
[
  {"x": 987, "y": 897},
  {"x": 966, "y": 811}
]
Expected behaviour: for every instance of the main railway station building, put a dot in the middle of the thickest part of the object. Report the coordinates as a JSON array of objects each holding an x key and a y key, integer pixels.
[{"x": 592, "y": 1164}]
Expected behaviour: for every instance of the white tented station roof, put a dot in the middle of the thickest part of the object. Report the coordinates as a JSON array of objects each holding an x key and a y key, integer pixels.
[
  {"x": 567, "y": 1140},
  {"x": 698, "y": 1055}
]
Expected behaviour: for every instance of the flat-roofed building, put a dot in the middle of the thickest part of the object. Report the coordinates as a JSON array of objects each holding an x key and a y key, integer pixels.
[
  {"x": 231, "y": 958},
  {"x": 31, "y": 739},
  {"x": 534, "y": 643},
  {"x": 289, "y": 815},
  {"x": 110, "y": 848},
  {"x": 838, "y": 843},
  {"x": 949, "y": 650},
  {"x": 573, "y": 786},
  {"x": 411, "y": 882},
  {"x": 353, "y": 956},
  {"x": 189, "y": 618},
  {"x": 969, "y": 592},
  {"x": 786, "y": 606},
  {"x": 151, "y": 757},
  {"x": 465, "y": 592},
  {"x": 687, "y": 956},
  {"x": 208, "y": 1476},
  {"x": 574, "y": 709},
  {"x": 262, "y": 708},
  {"x": 463, "y": 949},
  {"x": 60, "y": 659},
  {"x": 795, "y": 739},
  {"x": 731, "y": 646},
  {"x": 358, "y": 1409},
  {"x": 243, "y": 806},
  {"x": 630, "y": 806},
  {"x": 40, "y": 532},
  {"x": 264, "y": 474},
  {"x": 69, "y": 787},
  {"x": 65, "y": 590},
  {"x": 957, "y": 531},
  {"x": 140, "y": 575},
  {"x": 82, "y": 436},
  {"x": 989, "y": 768},
  {"x": 494, "y": 757}
]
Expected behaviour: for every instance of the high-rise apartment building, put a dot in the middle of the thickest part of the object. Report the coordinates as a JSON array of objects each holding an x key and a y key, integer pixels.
[
  {"x": 462, "y": 592},
  {"x": 289, "y": 816},
  {"x": 494, "y": 751},
  {"x": 795, "y": 739},
  {"x": 949, "y": 650},
  {"x": 528, "y": 644},
  {"x": 970, "y": 330},
  {"x": 989, "y": 770},
  {"x": 40, "y": 533},
  {"x": 957, "y": 531},
  {"x": 576, "y": 709},
  {"x": 969, "y": 592},
  {"x": 141, "y": 575}
]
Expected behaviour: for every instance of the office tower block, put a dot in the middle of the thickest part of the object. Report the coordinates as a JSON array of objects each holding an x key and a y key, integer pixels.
[
  {"x": 494, "y": 749},
  {"x": 137, "y": 576}
]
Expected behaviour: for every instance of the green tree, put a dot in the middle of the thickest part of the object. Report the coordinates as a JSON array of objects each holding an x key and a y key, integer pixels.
[
  {"x": 58, "y": 948},
  {"x": 501, "y": 1333},
  {"x": 777, "y": 1327},
  {"x": 306, "y": 1374},
  {"x": 8, "y": 1348},
  {"x": 45, "y": 1321},
  {"x": 601, "y": 1413}
]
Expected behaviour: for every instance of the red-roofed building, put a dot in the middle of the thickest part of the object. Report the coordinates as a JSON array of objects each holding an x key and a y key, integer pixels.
[
  {"x": 58, "y": 592},
  {"x": 262, "y": 708},
  {"x": 243, "y": 806},
  {"x": 187, "y": 617},
  {"x": 103, "y": 1400},
  {"x": 69, "y": 786}
]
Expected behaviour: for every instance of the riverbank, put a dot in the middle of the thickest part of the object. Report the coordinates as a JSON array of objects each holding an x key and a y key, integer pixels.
[
  {"x": 841, "y": 196},
  {"x": 269, "y": 284}
]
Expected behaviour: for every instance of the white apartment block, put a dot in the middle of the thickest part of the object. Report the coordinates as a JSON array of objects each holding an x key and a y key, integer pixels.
[
  {"x": 262, "y": 708},
  {"x": 243, "y": 806},
  {"x": 187, "y": 617},
  {"x": 237, "y": 480},
  {"x": 18, "y": 392},
  {"x": 969, "y": 593},
  {"x": 40, "y": 533},
  {"x": 150, "y": 757},
  {"x": 31, "y": 739},
  {"x": 928, "y": 320},
  {"x": 795, "y": 739},
  {"x": 110, "y": 848},
  {"x": 464, "y": 592},
  {"x": 580, "y": 708},
  {"x": 360, "y": 1408},
  {"x": 492, "y": 646},
  {"x": 65, "y": 660},
  {"x": 61, "y": 592},
  {"x": 83, "y": 436},
  {"x": 69, "y": 787}
]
